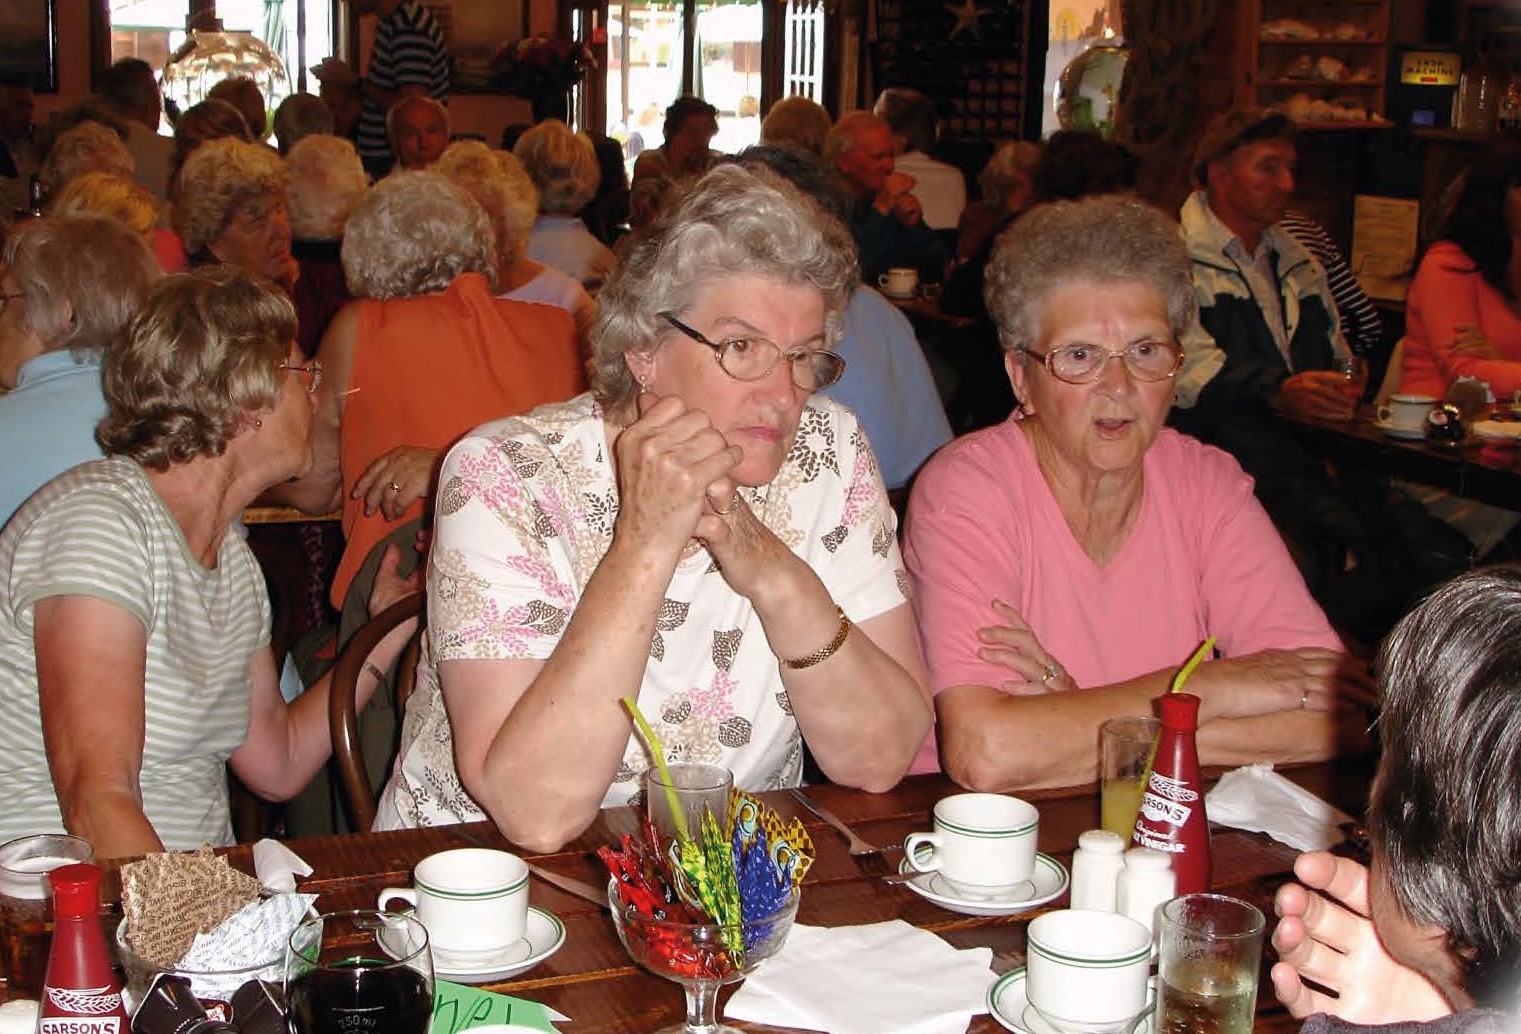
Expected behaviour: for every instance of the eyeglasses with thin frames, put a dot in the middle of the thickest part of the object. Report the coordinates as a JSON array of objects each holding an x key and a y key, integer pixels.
[
  {"x": 311, "y": 374},
  {"x": 1084, "y": 364},
  {"x": 751, "y": 358}
]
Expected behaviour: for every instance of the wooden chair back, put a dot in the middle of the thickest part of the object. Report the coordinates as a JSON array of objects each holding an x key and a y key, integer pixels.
[{"x": 343, "y": 721}]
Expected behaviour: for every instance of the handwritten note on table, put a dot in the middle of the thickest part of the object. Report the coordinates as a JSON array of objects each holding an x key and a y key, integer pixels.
[{"x": 458, "y": 1007}]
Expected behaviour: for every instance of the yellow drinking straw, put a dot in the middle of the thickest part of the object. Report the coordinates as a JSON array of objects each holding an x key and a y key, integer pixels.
[
  {"x": 1176, "y": 687},
  {"x": 653, "y": 745}
]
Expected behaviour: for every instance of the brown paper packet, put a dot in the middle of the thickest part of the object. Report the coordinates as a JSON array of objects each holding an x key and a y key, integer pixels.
[{"x": 169, "y": 898}]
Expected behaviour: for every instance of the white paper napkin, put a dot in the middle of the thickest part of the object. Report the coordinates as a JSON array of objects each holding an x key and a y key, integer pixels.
[
  {"x": 883, "y": 978},
  {"x": 277, "y": 866},
  {"x": 1259, "y": 799}
]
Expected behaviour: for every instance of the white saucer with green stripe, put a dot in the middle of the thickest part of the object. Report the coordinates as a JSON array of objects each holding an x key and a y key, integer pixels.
[
  {"x": 542, "y": 937},
  {"x": 1046, "y": 883},
  {"x": 1009, "y": 1004}
]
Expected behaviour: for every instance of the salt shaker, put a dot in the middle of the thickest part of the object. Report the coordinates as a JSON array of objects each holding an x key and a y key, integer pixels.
[
  {"x": 1096, "y": 867},
  {"x": 1146, "y": 882}
]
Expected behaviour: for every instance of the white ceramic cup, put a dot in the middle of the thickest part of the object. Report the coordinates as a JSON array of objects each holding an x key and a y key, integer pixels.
[
  {"x": 1406, "y": 412},
  {"x": 900, "y": 282},
  {"x": 471, "y": 899},
  {"x": 1086, "y": 971},
  {"x": 983, "y": 843}
]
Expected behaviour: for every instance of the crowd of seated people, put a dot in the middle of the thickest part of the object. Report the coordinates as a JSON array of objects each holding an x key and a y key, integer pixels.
[{"x": 620, "y": 460}]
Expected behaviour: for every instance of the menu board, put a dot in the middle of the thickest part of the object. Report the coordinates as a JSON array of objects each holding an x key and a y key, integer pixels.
[{"x": 1383, "y": 243}]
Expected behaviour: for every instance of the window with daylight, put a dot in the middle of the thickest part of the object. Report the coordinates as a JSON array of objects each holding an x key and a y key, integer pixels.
[
  {"x": 300, "y": 32},
  {"x": 738, "y": 55}
]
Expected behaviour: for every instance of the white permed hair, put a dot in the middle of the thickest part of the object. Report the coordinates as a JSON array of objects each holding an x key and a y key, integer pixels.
[{"x": 413, "y": 234}]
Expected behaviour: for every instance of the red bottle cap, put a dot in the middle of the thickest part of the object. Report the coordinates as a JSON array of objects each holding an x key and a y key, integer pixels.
[
  {"x": 1180, "y": 711},
  {"x": 76, "y": 889}
]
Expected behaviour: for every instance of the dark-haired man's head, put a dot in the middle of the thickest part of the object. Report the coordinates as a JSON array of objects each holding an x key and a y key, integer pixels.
[
  {"x": 1445, "y": 811},
  {"x": 131, "y": 89}
]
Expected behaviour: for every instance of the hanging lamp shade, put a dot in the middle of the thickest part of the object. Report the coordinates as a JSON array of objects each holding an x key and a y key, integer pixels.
[{"x": 210, "y": 55}]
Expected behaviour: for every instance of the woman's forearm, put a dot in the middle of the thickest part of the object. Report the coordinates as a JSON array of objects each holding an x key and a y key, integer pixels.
[
  {"x": 545, "y": 770},
  {"x": 112, "y": 821},
  {"x": 865, "y": 709},
  {"x": 999, "y": 742}
]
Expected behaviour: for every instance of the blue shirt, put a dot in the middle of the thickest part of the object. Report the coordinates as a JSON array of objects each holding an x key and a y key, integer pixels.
[
  {"x": 888, "y": 385},
  {"x": 48, "y": 423}
]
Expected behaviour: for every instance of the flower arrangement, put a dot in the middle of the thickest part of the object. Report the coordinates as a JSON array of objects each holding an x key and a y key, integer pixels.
[{"x": 541, "y": 64}]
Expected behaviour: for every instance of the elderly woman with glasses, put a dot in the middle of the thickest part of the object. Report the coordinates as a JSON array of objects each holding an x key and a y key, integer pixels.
[
  {"x": 134, "y": 623},
  {"x": 1067, "y": 561},
  {"x": 701, "y": 533}
]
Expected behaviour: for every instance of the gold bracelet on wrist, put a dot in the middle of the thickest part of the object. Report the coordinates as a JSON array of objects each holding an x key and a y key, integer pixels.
[{"x": 828, "y": 650}]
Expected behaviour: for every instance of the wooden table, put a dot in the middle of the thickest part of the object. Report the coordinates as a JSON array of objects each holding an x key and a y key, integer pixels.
[
  {"x": 288, "y": 515},
  {"x": 1487, "y": 471},
  {"x": 592, "y": 980}
]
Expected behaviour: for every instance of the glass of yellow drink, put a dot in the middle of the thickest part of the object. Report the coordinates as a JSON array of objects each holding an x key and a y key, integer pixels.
[{"x": 1125, "y": 746}]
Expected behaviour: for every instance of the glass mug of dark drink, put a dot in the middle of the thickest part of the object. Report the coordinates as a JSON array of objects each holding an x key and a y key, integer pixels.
[
  {"x": 361, "y": 970},
  {"x": 1354, "y": 376},
  {"x": 26, "y": 905}
]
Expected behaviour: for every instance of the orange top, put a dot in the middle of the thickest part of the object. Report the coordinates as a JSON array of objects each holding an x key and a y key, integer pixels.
[{"x": 428, "y": 369}]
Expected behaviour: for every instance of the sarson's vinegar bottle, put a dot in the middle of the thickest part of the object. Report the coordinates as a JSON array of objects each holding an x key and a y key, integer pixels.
[{"x": 1172, "y": 818}]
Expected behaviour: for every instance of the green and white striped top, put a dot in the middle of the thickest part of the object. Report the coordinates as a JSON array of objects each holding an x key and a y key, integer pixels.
[{"x": 100, "y": 530}]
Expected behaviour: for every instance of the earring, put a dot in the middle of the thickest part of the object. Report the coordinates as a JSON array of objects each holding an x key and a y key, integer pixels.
[
  {"x": 643, "y": 388},
  {"x": 258, "y": 423}
]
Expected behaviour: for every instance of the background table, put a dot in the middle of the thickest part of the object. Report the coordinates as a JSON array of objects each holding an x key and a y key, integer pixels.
[
  {"x": 592, "y": 980},
  {"x": 1488, "y": 471}
]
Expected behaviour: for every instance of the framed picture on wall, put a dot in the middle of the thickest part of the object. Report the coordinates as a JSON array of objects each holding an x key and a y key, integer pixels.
[
  {"x": 29, "y": 43},
  {"x": 474, "y": 32}
]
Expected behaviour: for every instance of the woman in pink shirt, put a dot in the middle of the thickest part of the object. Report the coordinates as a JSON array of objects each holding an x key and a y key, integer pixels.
[
  {"x": 1067, "y": 561},
  {"x": 1464, "y": 306}
]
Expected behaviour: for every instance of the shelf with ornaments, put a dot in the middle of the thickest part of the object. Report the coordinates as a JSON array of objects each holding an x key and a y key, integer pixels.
[{"x": 1321, "y": 62}]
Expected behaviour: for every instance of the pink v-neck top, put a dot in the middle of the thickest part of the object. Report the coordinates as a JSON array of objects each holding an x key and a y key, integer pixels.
[{"x": 1202, "y": 559}]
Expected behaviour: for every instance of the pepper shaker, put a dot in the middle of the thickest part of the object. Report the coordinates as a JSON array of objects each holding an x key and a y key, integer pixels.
[
  {"x": 1146, "y": 882},
  {"x": 1096, "y": 868}
]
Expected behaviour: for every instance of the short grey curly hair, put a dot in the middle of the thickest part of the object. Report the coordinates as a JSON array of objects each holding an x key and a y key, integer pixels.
[
  {"x": 499, "y": 184},
  {"x": 202, "y": 353},
  {"x": 413, "y": 234},
  {"x": 87, "y": 147},
  {"x": 562, "y": 164},
  {"x": 327, "y": 182},
  {"x": 732, "y": 222},
  {"x": 220, "y": 179},
  {"x": 1108, "y": 239}
]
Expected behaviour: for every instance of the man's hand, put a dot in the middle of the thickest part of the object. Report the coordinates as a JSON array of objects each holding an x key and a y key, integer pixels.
[
  {"x": 1315, "y": 395},
  {"x": 1327, "y": 938},
  {"x": 896, "y": 198}
]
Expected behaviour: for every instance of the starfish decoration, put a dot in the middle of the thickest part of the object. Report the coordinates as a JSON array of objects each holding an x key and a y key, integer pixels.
[{"x": 967, "y": 12}]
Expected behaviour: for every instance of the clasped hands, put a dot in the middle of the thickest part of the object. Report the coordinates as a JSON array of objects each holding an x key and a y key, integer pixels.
[
  {"x": 896, "y": 199},
  {"x": 674, "y": 486}
]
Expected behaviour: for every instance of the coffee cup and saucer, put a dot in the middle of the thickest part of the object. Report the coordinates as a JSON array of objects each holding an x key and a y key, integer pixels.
[
  {"x": 1008, "y": 1002},
  {"x": 474, "y": 903},
  {"x": 901, "y": 283},
  {"x": 1405, "y": 416},
  {"x": 1087, "y": 973},
  {"x": 981, "y": 857}
]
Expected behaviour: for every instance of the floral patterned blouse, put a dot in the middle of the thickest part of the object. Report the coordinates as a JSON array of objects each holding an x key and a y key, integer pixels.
[{"x": 526, "y": 508}]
